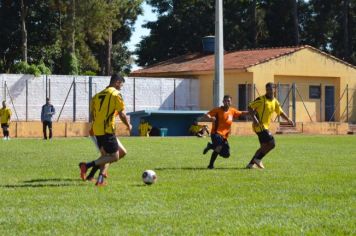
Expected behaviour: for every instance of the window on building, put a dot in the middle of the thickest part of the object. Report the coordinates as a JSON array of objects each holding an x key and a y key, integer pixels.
[
  {"x": 314, "y": 91},
  {"x": 244, "y": 97}
]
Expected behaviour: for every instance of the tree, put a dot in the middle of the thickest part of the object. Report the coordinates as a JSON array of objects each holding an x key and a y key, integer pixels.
[
  {"x": 295, "y": 27},
  {"x": 24, "y": 12},
  {"x": 327, "y": 29},
  {"x": 10, "y": 40},
  {"x": 67, "y": 35},
  {"x": 181, "y": 25},
  {"x": 345, "y": 28}
]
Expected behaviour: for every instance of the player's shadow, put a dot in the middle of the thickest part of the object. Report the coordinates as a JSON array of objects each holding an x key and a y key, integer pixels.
[
  {"x": 40, "y": 183},
  {"x": 198, "y": 168},
  {"x": 51, "y": 180}
]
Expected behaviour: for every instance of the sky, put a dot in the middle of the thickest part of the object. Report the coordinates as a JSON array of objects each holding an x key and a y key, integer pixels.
[{"x": 139, "y": 32}]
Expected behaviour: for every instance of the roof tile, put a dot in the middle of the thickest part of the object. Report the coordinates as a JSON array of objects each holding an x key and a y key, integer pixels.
[{"x": 232, "y": 60}]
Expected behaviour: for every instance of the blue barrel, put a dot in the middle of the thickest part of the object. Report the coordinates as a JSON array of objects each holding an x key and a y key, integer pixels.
[
  {"x": 208, "y": 44},
  {"x": 163, "y": 132}
]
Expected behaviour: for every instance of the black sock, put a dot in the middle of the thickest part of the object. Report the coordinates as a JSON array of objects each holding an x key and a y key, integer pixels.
[
  {"x": 90, "y": 164},
  {"x": 260, "y": 156},
  {"x": 92, "y": 172},
  {"x": 257, "y": 156},
  {"x": 214, "y": 155}
]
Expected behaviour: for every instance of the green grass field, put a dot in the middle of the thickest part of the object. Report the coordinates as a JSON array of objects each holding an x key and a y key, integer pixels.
[{"x": 307, "y": 188}]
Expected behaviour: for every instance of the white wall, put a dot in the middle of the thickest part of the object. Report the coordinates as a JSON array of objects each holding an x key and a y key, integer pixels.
[{"x": 149, "y": 94}]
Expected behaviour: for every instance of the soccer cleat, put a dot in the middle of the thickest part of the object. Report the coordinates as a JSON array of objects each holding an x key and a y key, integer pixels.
[
  {"x": 101, "y": 181},
  {"x": 91, "y": 179},
  {"x": 210, "y": 167},
  {"x": 207, "y": 148},
  {"x": 251, "y": 166},
  {"x": 258, "y": 163},
  {"x": 83, "y": 170}
]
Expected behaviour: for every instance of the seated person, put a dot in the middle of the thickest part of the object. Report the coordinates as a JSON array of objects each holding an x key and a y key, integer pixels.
[
  {"x": 144, "y": 128},
  {"x": 155, "y": 131},
  {"x": 198, "y": 130}
]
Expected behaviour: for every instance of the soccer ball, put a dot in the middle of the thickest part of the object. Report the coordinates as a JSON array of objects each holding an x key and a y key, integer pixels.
[{"x": 149, "y": 177}]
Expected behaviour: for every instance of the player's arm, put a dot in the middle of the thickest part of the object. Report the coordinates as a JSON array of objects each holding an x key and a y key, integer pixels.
[
  {"x": 209, "y": 116},
  {"x": 252, "y": 113},
  {"x": 42, "y": 113},
  {"x": 285, "y": 117},
  {"x": 124, "y": 120},
  {"x": 10, "y": 114},
  {"x": 92, "y": 110},
  {"x": 244, "y": 113},
  {"x": 53, "y": 111},
  {"x": 280, "y": 112}
]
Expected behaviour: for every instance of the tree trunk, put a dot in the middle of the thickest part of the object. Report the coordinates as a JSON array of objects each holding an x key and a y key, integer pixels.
[
  {"x": 23, "y": 31},
  {"x": 72, "y": 46},
  {"x": 345, "y": 27},
  {"x": 295, "y": 22},
  {"x": 108, "y": 53},
  {"x": 254, "y": 24}
]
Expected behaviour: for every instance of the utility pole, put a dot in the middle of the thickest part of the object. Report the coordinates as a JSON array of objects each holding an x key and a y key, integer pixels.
[{"x": 219, "y": 54}]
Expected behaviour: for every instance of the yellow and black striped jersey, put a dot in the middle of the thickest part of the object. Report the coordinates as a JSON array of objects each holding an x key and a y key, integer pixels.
[
  {"x": 264, "y": 108},
  {"x": 144, "y": 128},
  {"x": 105, "y": 105},
  {"x": 5, "y": 114}
]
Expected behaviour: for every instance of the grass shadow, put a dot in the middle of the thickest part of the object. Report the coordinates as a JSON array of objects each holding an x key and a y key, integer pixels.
[
  {"x": 139, "y": 185},
  {"x": 199, "y": 168},
  {"x": 40, "y": 183},
  {"x": 36, "y": 185},
  {"x": 52, "y": 180}
]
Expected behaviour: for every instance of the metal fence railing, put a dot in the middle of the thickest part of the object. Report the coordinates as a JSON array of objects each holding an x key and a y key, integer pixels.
[
  {"x": 71, "y": 95},
  {"x": 308, "y": 102}
]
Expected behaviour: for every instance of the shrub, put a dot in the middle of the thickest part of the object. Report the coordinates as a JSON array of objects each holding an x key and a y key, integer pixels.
[
  {"x": 44, "y": 69},
  {"x": 21, "y": 68},
  {"x": 89, "y": 73},
  {"x": 33, "y": 69},
  {"x": 71, "y": 64}
]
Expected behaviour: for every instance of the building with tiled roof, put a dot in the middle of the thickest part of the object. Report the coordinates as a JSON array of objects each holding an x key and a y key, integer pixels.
[{"x": 321, "y": 79}]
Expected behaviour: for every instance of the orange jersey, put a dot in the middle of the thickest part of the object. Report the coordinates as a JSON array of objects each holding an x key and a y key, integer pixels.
[{"x": 224, "y": 119}]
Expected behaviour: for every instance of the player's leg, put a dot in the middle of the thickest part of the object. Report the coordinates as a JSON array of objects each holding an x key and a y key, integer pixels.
[
  {"x": 93, "y": 171},
  {"x": 50, "y": 129},
  {"x": 267, "y": 144},
  {"x": 91, "y": 175},
  {"x": 6, "y": 131},
  {"x": 3, "y": 131},
  {"x": 122, "y": 149},
  {"x": 225, "y": 151},
  {"x": 209, "y": 145},
  {"x": 265, "y": 148},
  {"x": 104, "y": 168},
  {"x": 44, "y": 128},
  {"x": 84, "y": 166},
  {"x": 217, "y": 146},
  {"x": 116, "y": 151},
  {"x": 121, "y": 153},
  {"x": 251, "y": 164}
]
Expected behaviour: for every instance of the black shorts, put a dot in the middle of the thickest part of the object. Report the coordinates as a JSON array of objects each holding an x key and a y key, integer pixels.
[
  {"x": 108, "y": 142},
  {"x": 265, "y": 136},
  {"x": 47, "y": 123},
  {"x": 218, "y": 140},
  {"x": 4, "y": 126}
]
